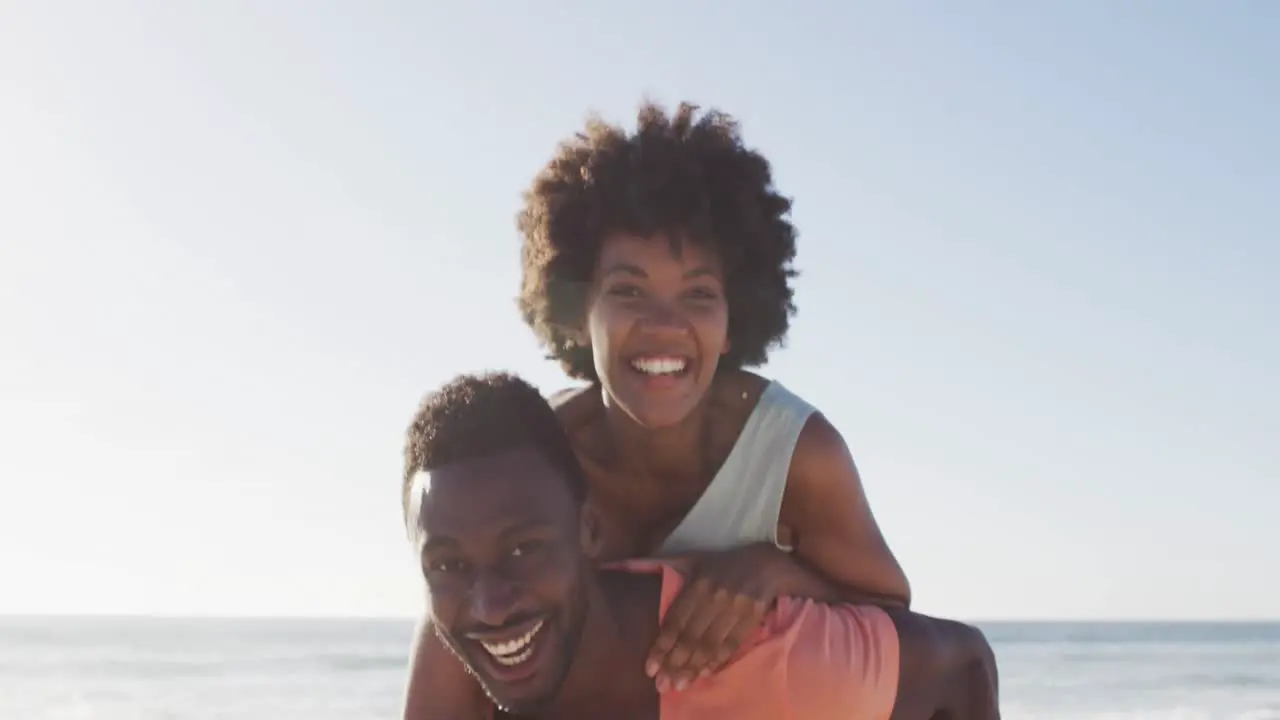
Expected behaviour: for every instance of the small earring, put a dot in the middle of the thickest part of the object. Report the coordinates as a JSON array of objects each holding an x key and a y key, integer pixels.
[{"x": 744, "y": 394}]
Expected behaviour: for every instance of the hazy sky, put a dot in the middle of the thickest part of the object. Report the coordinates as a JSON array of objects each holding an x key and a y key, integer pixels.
[{"x": 1039, "y": 297}]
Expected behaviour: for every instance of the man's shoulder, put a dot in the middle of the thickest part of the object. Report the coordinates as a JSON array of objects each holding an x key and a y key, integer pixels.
[
  {"x": 642, "y": 573},
  {"x": 657, "y": 580}
]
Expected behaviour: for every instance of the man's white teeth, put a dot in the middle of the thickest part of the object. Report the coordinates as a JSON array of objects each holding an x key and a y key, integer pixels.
[
  {"x": 510, "y": 660},
  {"x": 659, "y": 365},
  {"x": 513, "y": 652}
]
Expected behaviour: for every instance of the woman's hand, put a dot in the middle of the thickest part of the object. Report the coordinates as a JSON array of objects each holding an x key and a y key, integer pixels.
[{"x": 723, "y": 602}]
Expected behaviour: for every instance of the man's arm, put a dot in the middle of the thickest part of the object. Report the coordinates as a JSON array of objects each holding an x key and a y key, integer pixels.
[{"x": 439, "y": 686}]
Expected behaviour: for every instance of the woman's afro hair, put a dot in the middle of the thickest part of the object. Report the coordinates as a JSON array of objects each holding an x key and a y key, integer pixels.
[{"x": 685, "y": 175}]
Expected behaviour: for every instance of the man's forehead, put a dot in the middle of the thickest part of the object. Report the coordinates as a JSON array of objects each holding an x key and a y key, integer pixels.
[{"x": 484, "y": 491}]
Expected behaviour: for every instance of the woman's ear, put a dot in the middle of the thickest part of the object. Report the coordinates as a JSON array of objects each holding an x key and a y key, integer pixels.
[
  {"x": 572, "y": 336},
  {"x": 592, "y": 531},
  {"x": 580, "y": 333}
]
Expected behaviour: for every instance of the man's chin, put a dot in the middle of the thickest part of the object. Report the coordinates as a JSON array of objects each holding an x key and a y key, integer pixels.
[
  {"x": 517, "y": 700},
  {"x": 527, "y": 689},
  {"x": 523, "y": 706}
]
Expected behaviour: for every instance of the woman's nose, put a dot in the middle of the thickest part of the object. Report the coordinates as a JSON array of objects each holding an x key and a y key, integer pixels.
[{"x": 664, "y": 316}]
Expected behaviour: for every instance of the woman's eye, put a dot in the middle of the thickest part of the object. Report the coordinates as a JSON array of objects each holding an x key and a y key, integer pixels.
[
  {"x": 703, "y": 294},
  {"x": 625, "y": 291}
]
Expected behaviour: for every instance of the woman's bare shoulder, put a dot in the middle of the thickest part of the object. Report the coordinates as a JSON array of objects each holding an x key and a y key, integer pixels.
[
  {"x": 576, "y": 406},
  {"x": 737, "y": 392},
  {"x": 733, "y": 398}
]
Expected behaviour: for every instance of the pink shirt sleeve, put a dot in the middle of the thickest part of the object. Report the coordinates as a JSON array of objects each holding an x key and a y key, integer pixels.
[{"x": 810, "y": 661}]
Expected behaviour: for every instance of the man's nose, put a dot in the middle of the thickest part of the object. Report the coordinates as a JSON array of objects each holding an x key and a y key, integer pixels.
[{"x": 494, "y": 599}]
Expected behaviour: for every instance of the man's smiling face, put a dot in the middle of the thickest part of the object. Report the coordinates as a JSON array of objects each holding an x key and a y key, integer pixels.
[{"x": 500, "y": 538}]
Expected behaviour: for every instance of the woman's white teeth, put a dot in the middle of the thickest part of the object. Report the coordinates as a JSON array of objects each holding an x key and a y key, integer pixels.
[
  {"x": 513, "y": 652},
  {"x": 659, "y": 366}
]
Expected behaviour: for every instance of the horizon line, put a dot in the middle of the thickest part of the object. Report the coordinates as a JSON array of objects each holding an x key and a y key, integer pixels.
[{"x": 5, "y": 615}]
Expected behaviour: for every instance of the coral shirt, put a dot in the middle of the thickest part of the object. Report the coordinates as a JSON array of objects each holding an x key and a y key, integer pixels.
[{"x": 809, "y": 661}]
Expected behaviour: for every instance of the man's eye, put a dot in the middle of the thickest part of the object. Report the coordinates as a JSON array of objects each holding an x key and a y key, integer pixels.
[
  {"x": 448, "y": 565},
  {"x": 702, "y": 294},
  {"x": 525, "y": 549}
]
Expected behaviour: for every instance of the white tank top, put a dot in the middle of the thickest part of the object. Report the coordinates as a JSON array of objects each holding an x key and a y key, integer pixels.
[{"x": 742, "y": 504}]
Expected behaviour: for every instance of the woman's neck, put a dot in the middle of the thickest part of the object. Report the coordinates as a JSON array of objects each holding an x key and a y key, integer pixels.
[{"x": 680, "y": 450}]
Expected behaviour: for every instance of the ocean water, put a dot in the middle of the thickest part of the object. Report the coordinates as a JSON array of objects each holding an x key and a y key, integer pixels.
[{"x": 160, "y": 669}]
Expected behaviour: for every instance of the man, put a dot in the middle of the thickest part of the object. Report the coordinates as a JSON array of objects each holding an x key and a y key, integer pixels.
[{"x": 495, "y": 502}]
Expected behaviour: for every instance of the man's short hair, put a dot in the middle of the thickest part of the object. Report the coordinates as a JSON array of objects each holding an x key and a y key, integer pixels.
[{"x": 474, "y": 416}]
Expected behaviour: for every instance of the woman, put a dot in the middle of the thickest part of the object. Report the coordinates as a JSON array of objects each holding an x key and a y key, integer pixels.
[{"x": 656, "y": 266}]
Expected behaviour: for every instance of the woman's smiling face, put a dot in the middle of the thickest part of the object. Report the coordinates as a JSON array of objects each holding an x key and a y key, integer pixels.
[{"x": 658, "y": 324}]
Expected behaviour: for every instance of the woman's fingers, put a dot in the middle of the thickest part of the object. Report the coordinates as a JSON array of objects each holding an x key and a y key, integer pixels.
[{"x": 701, "y": 633}]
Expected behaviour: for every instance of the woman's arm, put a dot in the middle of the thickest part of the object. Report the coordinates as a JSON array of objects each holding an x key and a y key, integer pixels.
[
  {"x": 831, "y": 526},
  {"x": 439, "y": 686},
  {"x": 840, "y": 556}
]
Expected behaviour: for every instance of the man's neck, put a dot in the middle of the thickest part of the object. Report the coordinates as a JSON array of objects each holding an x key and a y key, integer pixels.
[{"x": 607, "y": 678}]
